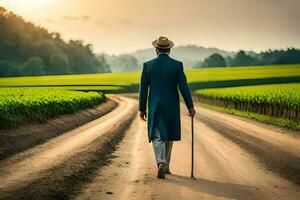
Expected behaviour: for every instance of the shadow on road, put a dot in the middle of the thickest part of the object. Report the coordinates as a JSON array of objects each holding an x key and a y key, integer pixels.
[{"x": 221, "y": 189}]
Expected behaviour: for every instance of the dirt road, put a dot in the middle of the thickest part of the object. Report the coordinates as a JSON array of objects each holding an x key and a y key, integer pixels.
[{"x": 234, "y": 159}]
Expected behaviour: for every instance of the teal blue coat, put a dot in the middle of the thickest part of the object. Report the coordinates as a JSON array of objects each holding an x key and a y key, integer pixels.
[{"x": 163, "y": 76}]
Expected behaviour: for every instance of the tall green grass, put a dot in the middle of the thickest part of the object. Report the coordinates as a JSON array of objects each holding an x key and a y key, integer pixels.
[
  {"x": 20, "y": 106},
  {"x": 278, "y": 100}
]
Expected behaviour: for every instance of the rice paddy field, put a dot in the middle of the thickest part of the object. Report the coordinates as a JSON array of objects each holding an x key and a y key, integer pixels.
[
  {"x": 117, "y": 81},
  {"x": 19, "y": 106},
  {"x": 38, "y": 98},
  {"x": 278, "y": 100}
]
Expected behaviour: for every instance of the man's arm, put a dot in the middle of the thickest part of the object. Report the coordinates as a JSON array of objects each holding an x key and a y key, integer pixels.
[
  {"x": 185, "y": 91},
  {"x": 143, "y": 93}
]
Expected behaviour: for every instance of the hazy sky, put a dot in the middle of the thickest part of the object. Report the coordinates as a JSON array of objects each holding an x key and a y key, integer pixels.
[{"x": 119, "y": 26}]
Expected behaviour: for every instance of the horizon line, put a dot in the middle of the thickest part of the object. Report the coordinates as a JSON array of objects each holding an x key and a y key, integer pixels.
[{"x": 197, "y": 45}]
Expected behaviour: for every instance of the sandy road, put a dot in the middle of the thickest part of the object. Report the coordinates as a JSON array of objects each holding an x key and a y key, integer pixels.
[
  {"x": 224, "y": 169},
  {"x": 28, "y": 166}
]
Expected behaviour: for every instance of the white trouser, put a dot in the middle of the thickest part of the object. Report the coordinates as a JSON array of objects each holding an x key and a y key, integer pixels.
[{"x": 162, "y": 149}]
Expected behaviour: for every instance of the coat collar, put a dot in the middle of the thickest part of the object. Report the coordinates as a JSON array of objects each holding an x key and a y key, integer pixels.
[{"x": 163, "y": 54}]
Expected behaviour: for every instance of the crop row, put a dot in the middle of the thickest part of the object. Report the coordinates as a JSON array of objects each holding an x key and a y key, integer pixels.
[
  {"x": 19, "y": 106},
  {"x": 130, "y": 78},
  {"x": 278, "y": 100}
]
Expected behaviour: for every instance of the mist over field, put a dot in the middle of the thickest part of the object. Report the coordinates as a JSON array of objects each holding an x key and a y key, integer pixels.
[{"x": 190, "y": 55}]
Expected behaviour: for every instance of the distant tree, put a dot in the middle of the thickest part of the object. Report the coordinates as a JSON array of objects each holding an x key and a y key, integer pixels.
[
  {"x": 82, "y": 55},
  {"x": 229, "y": 61},
  {"x": 9, "y": 68},
  {"x": 22, "y": 42},
  {"x": 215, "y": 60},
  {"x": 45, "y": 48},
  {"x": 103, "y": 65},
  {"x": 33, "y": 66},
  {"x": 59, "y": 64},
  {"x": 242, "y": 59},
  {"x": 291, "y": 55}
]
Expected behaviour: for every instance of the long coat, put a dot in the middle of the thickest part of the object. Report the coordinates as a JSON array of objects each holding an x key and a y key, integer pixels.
[{"x": 163, "y": 76}]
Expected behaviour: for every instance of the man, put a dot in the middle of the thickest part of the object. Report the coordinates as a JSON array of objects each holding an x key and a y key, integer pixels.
[{"x": 163, "y": 76}]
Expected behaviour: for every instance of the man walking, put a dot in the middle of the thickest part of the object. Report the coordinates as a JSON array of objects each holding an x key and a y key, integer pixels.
[{"x": 163, "y": 76}]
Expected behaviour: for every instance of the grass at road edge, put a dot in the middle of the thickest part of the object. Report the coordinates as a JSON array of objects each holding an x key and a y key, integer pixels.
[
  {"x": 20, "y": 106},
  {"x": 294, "y": 125}
]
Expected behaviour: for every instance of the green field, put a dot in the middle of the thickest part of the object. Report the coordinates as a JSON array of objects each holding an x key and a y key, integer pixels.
[
  {"x": 19, "y": 106},
  {"x": 38, "y": 98},
  {"x": 198, "y": 78},
  {"x": 278, "y": 100},
  {"x": 282, "y": 122}
]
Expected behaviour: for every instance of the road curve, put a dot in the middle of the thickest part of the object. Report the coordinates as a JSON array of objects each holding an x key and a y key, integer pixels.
[
  {"x": 223, "y": 168},
  {"x": 30, "y": 165},
  {"x": 227, "y": 165}
]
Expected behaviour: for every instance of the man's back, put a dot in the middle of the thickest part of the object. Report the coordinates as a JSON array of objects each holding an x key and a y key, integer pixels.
[
  {"x": 163, "y": 75},
  {"x": 163, "y": 72}
]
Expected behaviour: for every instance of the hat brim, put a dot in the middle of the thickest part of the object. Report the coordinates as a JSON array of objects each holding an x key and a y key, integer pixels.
[{"x": 171, "y": 44}]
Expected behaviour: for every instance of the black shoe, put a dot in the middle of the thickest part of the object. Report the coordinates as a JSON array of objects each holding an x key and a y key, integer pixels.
[
  {"x": 168, "y": 171},
  {"x": 161, "y": 171}
]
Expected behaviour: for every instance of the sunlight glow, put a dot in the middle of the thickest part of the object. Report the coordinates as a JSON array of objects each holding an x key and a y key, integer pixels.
[
  {"x": 29, "y": 3},
  {"x": 120, "y": 26}
]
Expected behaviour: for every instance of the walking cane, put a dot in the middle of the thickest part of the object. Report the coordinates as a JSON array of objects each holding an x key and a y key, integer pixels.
[{"x": 192, "y": 168}]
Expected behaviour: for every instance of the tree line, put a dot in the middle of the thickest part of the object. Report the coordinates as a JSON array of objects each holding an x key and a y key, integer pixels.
[
  {"x": 242, "y": 58},
  {"x": 27, "y": 49}
]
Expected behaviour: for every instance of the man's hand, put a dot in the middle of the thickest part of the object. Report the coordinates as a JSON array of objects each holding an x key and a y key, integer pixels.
[
  {"x": 143, "y": 115},
  {"x": 192, "y": 112}
]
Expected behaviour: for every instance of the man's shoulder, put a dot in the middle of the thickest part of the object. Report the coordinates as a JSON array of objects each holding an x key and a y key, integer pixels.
[
  {"x": 176, "y": 61},
  {"x": 149, "y": 61}
]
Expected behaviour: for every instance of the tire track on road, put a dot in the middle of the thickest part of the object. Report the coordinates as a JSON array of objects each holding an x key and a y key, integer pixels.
[
  {"x": 223, "y": 170},
  {"x": 281, "y": 156},
  {"x": 65, "y": 162}
]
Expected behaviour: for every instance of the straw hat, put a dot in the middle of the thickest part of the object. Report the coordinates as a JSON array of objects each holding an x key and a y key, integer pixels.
[{"x": 163, "y": 43}]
